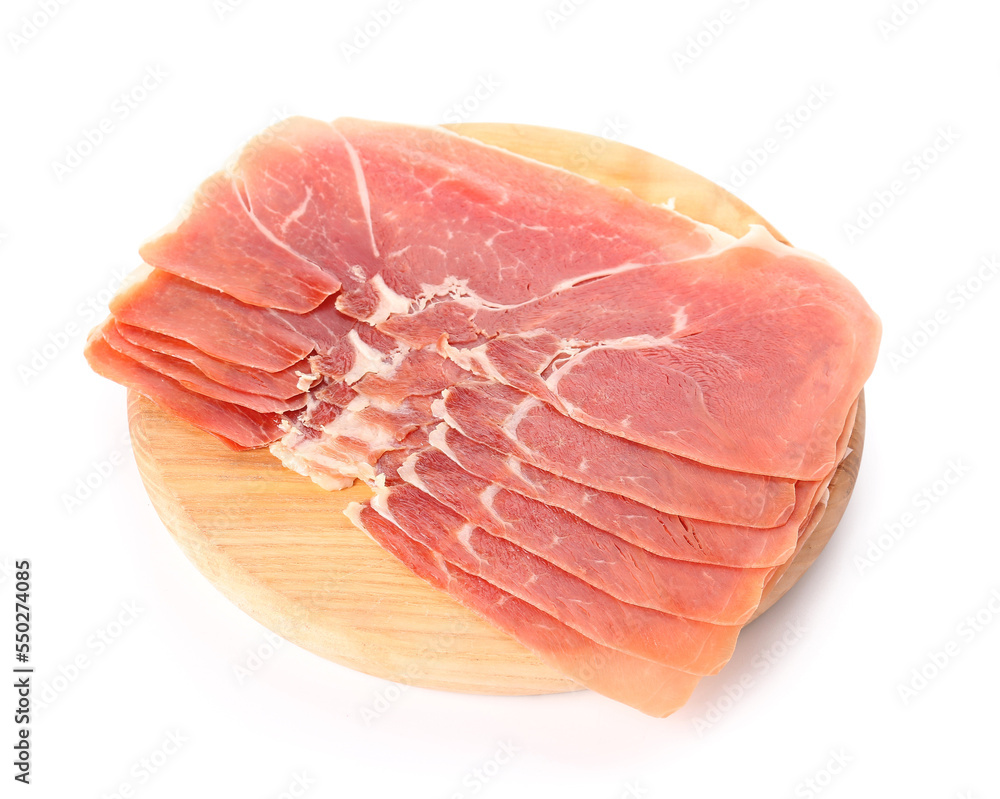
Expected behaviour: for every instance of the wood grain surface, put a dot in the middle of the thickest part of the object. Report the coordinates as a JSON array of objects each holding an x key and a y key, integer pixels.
[{"x": 280, "y": 548}]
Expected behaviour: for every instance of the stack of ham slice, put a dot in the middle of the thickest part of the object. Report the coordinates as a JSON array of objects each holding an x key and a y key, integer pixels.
[{"x": 603, "y": 426}]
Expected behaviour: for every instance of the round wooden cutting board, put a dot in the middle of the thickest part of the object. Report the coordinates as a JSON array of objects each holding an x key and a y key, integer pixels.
[{"x": 280, "y": 548}]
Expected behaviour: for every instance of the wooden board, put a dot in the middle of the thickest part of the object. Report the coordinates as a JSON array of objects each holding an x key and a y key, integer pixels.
[{"x": 280, "y": 548}]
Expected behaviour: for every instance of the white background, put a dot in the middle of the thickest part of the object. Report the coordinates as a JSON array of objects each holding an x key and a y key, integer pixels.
[{"x": 603, "y": 67}]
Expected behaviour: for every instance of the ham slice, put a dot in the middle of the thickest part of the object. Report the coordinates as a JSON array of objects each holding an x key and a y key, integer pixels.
[
  {"x": 281, "y": 385},
  {"x": 650, "y": 687},
  {"x": 720, "y": 594},
  {"x": 701, "y": 342},
  {"x": 688, "y": 645},
  {"x": 193, "y": 379},
  {"x": 245, "y": 428},
  {"x": 664, "y": 534},
  {"x": 216, "y": 323},
  {"x": 304, "y": 185},
  {"x": 221, "y": 245},
  {"x": 513, "y": 423},
  {"x": 519, "y": 229}
]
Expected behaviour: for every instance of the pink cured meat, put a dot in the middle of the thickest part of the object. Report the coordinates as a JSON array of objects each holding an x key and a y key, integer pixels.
[
  {"x": 391, "y": 182},
  {"x": 388, "y": 164},
  {"x": 647, "y": 686},
  {"x": 219, "y": 244},
  {"x": 371, "y": 416},
  {"x": 515, "y": 228},
  {"x": 337, "y": 449},
  {"x": 194, "y": 379},
  {"x": 664, "y": 534},
  {"x": 821, "y": 497},
  {"x": 229, "y": 330},
  {"x": 807, "y": 528},
  {"x": 610, "y": 372},
  {"x": 304, "y": 185},
  {"x": 747, "y": 359},
  {"x": 334, "y": 459},
  {"x": 514, "y": 424},
  {"x": 244, "y": 428},
  {"x": 719, "y": 594},
  {"x": 693, "y": 646},
  {"x": 420, "y": 373},
  {"x": 366, "y": 201},
  {"x": 215, "y": 323},
  {"x": 281, "y": 385}
]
